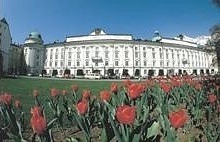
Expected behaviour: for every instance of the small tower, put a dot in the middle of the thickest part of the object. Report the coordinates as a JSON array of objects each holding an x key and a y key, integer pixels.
[
  {"x": 156, "y": 37},
  {"x": 34, "y": 53}
]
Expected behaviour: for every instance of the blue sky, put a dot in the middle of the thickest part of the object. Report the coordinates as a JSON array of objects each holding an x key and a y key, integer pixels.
[{"x": 57, "y": 19}]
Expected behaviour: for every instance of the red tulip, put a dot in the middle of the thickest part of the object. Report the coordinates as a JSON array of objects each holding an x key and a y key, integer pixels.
[
  {"x": 74, "y": 88},
  {"x": 54, "y": 92},
  {"x": 165, "y": 87},
  {"x": 86, "y": 94},
  {"x": 126, "y": 114},
  {"x": 135, "y": 90},
  {"x": 178, "y": 118},
  {"x": 38, "y": 121},
  {"x": 218, "y": 108},
  {"x": 6, "y": 99},
  {"x": 127, "y": 83},
  {"x": 105, "y": 95},
  {"x": 82, "y": 107},
  {"x": 64, "y": 92},
  {"x": 198, "y": 86},
  {"x": 17, "y": 104},
  {"x": 35, "y": 93},
  {"x": 114, "y": 87},
  {"x": 212, "y": 98}
]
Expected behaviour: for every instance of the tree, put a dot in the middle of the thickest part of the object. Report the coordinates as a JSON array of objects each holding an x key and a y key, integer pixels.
[
  {"x": 216, "y": 2},
  {"x": 215, "y": 35},
  {"x": 1, "y": 64}
]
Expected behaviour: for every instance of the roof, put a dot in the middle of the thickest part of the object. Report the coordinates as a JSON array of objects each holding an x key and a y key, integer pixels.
[{"x": 3, "y": 20}]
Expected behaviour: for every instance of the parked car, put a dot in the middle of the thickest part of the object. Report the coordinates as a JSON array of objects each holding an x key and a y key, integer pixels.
[
  {"x": 80, "y": 76},
  {"x": 93, "y": 76}
]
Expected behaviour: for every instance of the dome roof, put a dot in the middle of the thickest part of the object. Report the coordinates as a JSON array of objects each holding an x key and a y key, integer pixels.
[{"x": 34, "y": 37}]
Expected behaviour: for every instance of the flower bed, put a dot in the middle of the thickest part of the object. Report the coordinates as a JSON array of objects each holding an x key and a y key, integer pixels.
[{"x": 163, "y": 109}]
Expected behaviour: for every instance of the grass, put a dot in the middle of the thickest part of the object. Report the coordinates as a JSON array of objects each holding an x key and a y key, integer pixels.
[{"x": 22, "y": 88}]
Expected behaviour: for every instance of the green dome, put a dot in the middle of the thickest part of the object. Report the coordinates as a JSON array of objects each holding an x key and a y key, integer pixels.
[{"x": 35, "y": 35}]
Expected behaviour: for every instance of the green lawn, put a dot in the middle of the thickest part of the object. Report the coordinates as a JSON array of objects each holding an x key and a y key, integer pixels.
[{"x": 22, "y": 88}]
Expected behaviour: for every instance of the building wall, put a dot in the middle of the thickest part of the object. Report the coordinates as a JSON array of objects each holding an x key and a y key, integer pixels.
[
  {"x": 15, "y": 55},
  {"x": 34, "y": 57},
  {"x": 5, "y": 42},
  {"x": 119, "y": 55},
  {"x": 96, "y": 52}
]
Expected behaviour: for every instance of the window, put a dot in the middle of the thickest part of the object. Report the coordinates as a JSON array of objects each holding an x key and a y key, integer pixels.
[
  {"x": 126, "y": 63},
  {"x": 69, "y": 55},
  {"x": 37, "y": 63},
  {"x": 136, "y": 54},
  {"x": 144, "y": 54},
  {"x": 56, "y": 56},
  {"x": 62, "y": 50},
  {"x": 87, "y": 54},
  {"x": 78, "y": 63},
  {"x": 126, "y": 54},
  {"x": 69, "y": 63},
  {"x": 55, "y": 64},
  {"x": 144, "y": 48},
  {"x": 153, "y": 55},
  {"x": 78, "y": 55},
  {"x": 106, "y": 63},
  {"x": 167, "y": 55},
  {"x": 61, "y": 63},
  {"x": 116, "y": 54},
  {"x": 96, "y": 64},
  {"x": 96, "y": 53},
  {"x": 136, "y": 48},
  {"x": 116, "y": 63},
  {"x": 145, "y": 63},
  {"x": 106, "y": 54},
  {"x": 154, "y": 63},
  {"x": 87, "y": 63},
  {"x": 161, "y": 63},
  {"x": 136, "y": 63},
  {"x": 62, "y": 56},
  {"x": 116, "y": 71}
]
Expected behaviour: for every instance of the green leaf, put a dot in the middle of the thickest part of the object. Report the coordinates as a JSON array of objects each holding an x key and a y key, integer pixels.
[
  {"x": 50, "y": 124},
  {"x": 103, "y": 136},
  {"x": 71, "y": 139},
  {"x": 117, "y": 134},
  {"x": 136, "y": 138},
  {"x": 153, "y": 130}
]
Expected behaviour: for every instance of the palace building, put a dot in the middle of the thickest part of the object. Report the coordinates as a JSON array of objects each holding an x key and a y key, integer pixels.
[{"x": 117, "y": 54}]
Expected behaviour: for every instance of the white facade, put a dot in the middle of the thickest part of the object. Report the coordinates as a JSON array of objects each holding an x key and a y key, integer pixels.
[
  {"x": 5, "y": 43},
  {"x": 34, "y": 53},
  {"x": 121, "y": 54}
]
